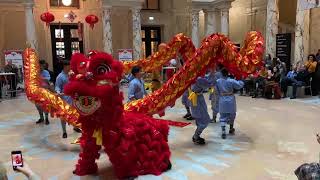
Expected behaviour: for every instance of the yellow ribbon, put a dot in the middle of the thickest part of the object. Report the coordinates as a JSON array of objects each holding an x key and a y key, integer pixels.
[
  {"x": 98, "y": 135},
  {"x": 193, "y": 97},
  {"x": 211, "y": 90}
]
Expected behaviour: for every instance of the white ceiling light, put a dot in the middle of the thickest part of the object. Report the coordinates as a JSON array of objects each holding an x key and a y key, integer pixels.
[
  {"x": 67, "y": 2},
  {"x": 151, "y": 18}
]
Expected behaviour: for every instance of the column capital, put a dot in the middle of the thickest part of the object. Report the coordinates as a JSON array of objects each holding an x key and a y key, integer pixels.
[
  {"x": 136, "y": 8},
  {"x": 106, "y": 7},
  {"x": 211, "y": 10}
]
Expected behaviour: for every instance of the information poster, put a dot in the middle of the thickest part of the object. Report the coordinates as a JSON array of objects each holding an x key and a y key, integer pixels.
[
  {"x": 283, "y": 48},
  {"x": 125, "y": 54},
  {"x": 16, "y": 57}
]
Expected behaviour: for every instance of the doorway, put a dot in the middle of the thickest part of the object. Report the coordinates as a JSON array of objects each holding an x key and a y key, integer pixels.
[
  {"x": 66, "y": 39},
  {"x": 151, "y": 38}
]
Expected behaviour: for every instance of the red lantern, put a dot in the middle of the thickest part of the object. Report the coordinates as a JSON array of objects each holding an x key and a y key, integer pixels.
[
  {"x": 92, "y": 19},
  {"x": 47, "y": 17}
]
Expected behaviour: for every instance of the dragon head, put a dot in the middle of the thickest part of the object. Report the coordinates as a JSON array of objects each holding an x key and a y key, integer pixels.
[{"x": 94, "y": 81}]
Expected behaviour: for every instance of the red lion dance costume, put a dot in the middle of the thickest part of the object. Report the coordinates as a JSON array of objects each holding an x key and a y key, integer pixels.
[{"x": 135, "y": 143}]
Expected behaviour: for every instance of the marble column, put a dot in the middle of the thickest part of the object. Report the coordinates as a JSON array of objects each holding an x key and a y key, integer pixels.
[
  {"x": 211, "y": 21},
  {"x": 272, "y": 27},
  {"x": 225, "y": 21},
  {"x": 30, "y": 26},
  {"x": 301, "y": 33},
  {"x": 195, "y": 27},
  {"x": 137, "y": 40},
  {"x": 107, "y": 30}
]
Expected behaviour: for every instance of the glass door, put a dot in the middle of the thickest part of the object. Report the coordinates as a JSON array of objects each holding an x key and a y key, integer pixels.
[{"x": 151, "y": 38}]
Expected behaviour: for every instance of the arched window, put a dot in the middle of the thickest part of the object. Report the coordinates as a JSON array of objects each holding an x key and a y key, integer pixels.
[
  {"x": 65, "y": 3},
  {"x": 151, "y": 5}
]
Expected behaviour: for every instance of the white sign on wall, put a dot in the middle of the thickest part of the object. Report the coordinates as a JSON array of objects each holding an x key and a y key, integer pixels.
[
  {"x": 15, "y": 56},
  {"x": 125, "y": 54},
  {"x": 308, "y": 4}
]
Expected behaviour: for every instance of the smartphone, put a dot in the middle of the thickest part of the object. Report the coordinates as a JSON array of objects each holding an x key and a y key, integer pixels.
[{"x": 17, "y": 160}]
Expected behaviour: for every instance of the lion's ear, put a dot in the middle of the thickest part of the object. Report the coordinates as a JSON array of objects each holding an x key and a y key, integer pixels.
[{"x": 78, "y": 62}]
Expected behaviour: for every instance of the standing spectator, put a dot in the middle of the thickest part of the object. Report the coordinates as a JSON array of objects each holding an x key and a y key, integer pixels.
[
  {"x": 318, "y": 55},
  {"x": 268, "y": 60},
  {"x": 11, "y": 68},
  {"x": 311, "y": 65}
]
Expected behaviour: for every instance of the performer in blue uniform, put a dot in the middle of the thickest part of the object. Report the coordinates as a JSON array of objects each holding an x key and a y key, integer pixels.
[
  {"x": 45, "y": 83},
  {"x": 227, "y": 101},
  {"x": 136, "y": 86},
  {"x": 199, "y": 107},
  {"x": 214, "y": 96},
  {"x": 186, "y": 102},
  {"x": 61, "y": 81}
]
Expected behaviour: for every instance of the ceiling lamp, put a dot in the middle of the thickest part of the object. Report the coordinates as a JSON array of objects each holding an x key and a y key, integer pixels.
[{"x": 67, "y": 2}]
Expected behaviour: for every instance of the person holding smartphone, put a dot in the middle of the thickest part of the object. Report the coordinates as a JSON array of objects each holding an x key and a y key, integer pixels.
[{"x": 18, "y": 166}]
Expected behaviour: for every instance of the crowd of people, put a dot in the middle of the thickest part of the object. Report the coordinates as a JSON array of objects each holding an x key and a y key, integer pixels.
[{"x": 272, "y": 82}]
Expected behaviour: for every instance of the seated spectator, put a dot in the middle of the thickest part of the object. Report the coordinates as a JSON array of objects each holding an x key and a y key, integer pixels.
[
  {"x": 300, "y": 80},
  {"x": 288, "y": 80},
  {"x": 259, "y": 82},
  {"x": 272, "y": 88},
  {"x": 248, "y": 85}
]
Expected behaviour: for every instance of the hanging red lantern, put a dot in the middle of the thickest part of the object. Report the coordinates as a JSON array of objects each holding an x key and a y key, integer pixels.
[
  {"x": 47, "y": 17},
  {"x": 92, "y": 19}
]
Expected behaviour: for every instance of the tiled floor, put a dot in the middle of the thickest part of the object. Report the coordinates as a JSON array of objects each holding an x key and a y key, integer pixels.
[{"x": 273, "y": 137}]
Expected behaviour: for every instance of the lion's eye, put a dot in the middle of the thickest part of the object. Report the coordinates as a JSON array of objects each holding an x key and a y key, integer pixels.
[{"x": 103, "y": 69}]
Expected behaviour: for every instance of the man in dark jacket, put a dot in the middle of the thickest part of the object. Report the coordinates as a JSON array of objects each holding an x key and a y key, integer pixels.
[{"x": 300, "y": 80}]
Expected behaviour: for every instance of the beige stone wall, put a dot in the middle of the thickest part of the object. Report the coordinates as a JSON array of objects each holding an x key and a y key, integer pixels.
[
  {"x": 241, "y": 21},
  {"x": 12, "y": 23},
  {"x": 314, "y": 31}
]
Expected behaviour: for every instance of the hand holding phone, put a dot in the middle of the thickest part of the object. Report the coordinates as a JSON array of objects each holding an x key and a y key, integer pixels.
[{"x": 17, "y": 160}]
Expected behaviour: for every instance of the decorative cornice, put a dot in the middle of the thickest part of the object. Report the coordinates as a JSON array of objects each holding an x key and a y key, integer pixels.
[
  {"x": 123, "y": 3},
  {"x": 211, "y": 4}
]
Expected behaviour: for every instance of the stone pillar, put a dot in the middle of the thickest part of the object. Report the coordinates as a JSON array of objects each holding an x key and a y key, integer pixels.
[
  {"x": 195, "y": 27},
  {"x": 225, "y": 21},
  {"x": 301, "y": 33},
  {"x": 137, "y": 40},
  {"x": 30, "y": 26},
  {"x": 272, "y": 27},
  {"x": 211, "y": 21},
  {"x": 107, "y": 30}
]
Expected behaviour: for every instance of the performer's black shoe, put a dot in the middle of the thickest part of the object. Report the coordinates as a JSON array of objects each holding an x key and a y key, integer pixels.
[
  {"x": 187, "y": 115},
  {"x": 223, "y": 136},
  {"x": 47, "y": 122},
  {"x": 130, "y": 178},
  {"x": 232, "y": 131},
  {"x": 39, "y": 121},
  {"x": 214, "y": 119},
  {"x": 199, "y": 141},
  {"x": 64, "y": 135},
  {"x": 78, "y": 130},
  {"x": 190, "y": 118}
]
